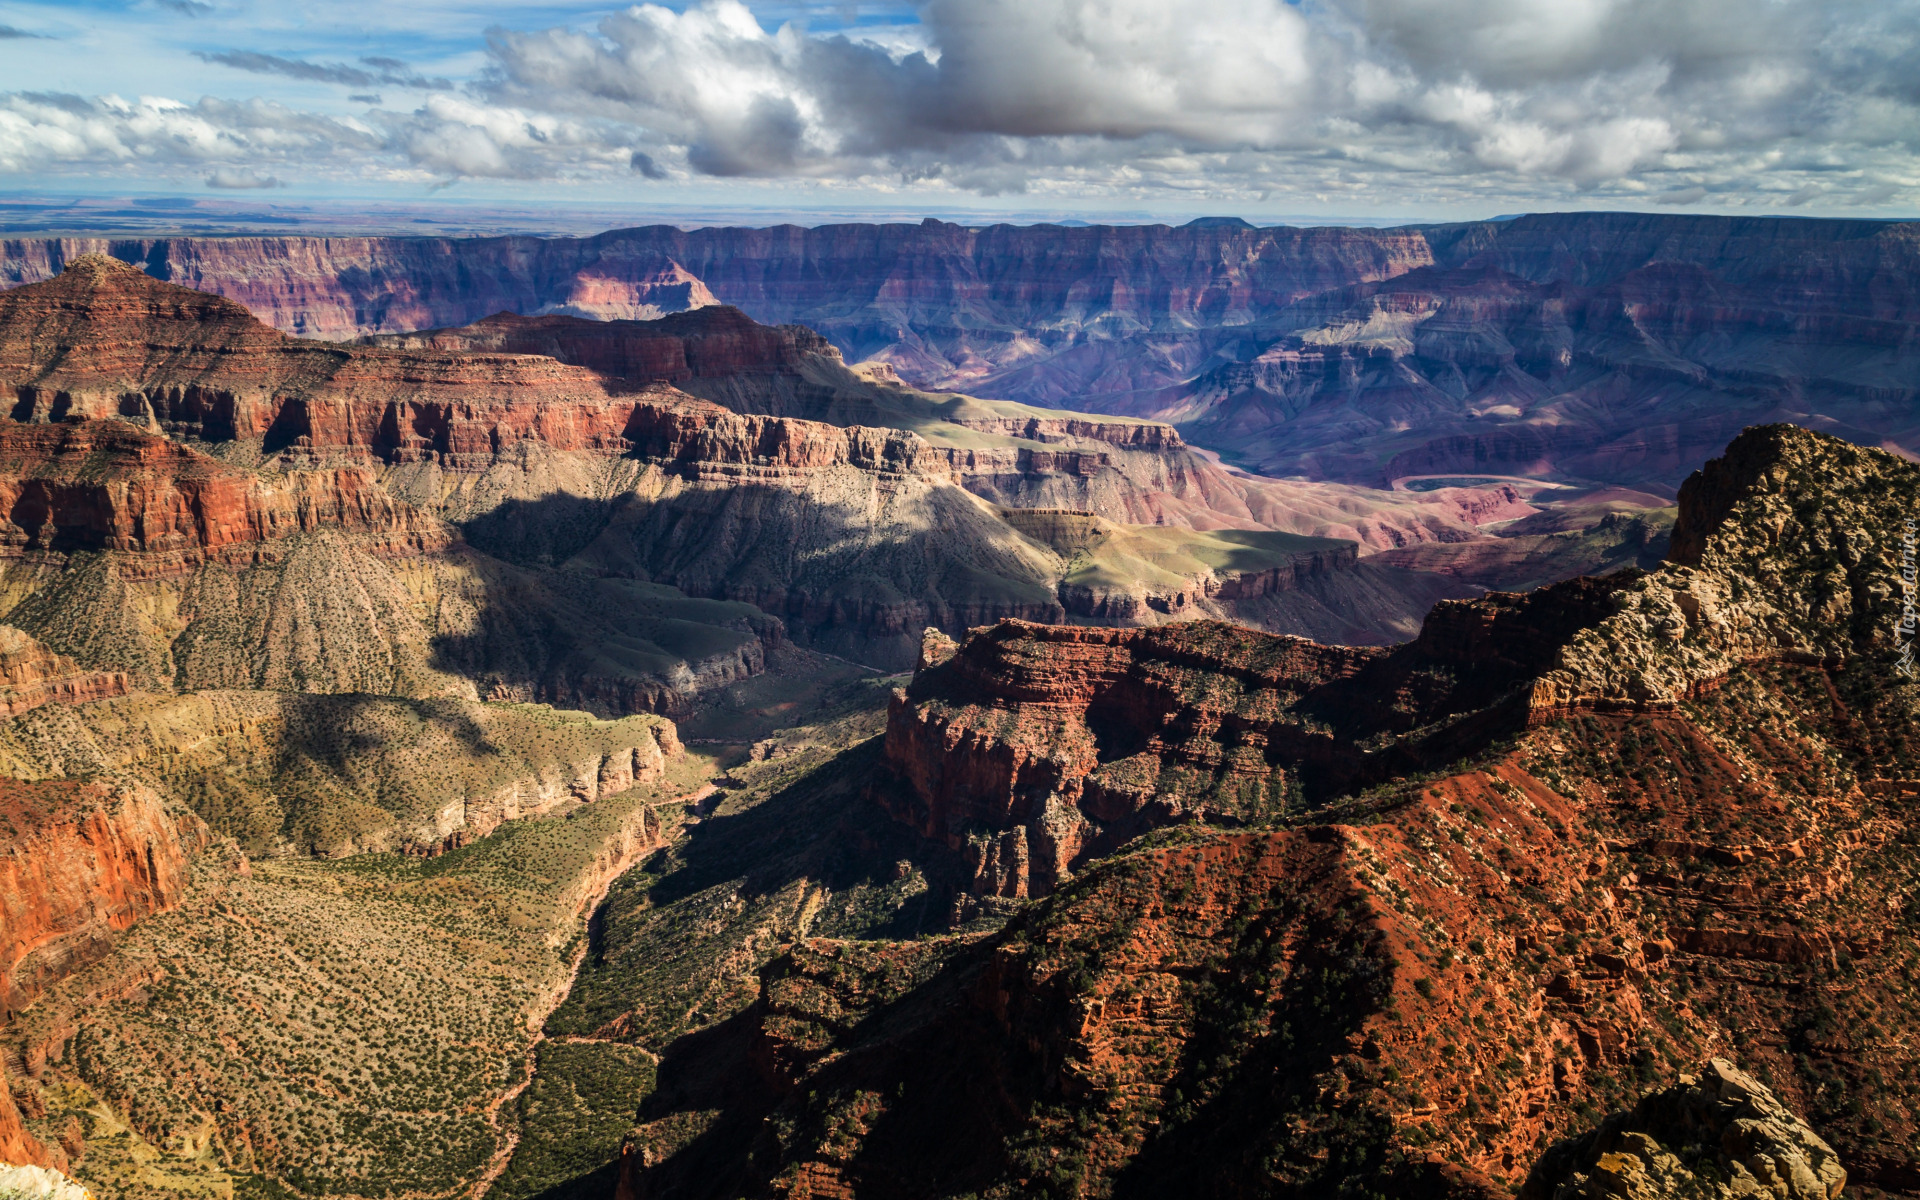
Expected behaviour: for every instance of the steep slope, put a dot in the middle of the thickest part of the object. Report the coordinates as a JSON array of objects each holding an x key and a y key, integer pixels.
[
  {"x": 32, "y": 675},
  {"x": 80, "y": 862},
  {"x": 135, "y": 554},
  {"x": 355, "y": 1027},
  {"x": 1471, "y": 894},
  {"x": 287, "y": 773},
  {"x": 858, "y": 284}
]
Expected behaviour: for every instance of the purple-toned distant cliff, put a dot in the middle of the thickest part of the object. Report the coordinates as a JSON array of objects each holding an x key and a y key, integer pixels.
[{"x": 1617, "y": 348}]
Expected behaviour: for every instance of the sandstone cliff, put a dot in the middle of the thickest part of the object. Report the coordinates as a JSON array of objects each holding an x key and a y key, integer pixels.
[{"x": 1039, "y": 748}]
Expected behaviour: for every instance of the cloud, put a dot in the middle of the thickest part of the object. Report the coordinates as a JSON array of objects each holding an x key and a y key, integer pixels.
[
  {"x": 1413, "y": 103},
  {"x": 8, "y": 32},
  {"x": 186, "y": 8},
  {"x": 1553, "y": 95},
  {"x": 236, "y": 179},
  {"x": 39, "y": 129},
  {"x": 388, "y": 71}
]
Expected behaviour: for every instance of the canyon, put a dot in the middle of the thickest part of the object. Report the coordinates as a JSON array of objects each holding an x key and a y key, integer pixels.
[
  {"x": 1617, "y": 348},
  {"x": 450, "y": 473},
  {"x": 1411, "y": 919},
  {"x": 563, "y": 737}
]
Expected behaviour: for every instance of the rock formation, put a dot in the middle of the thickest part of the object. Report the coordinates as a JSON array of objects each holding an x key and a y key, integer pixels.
[
  {"x": 1719, "y": 1135},
  {"x": 105, "y": 485},
  {"x": 1400, "y": 920},
  {"x": 1617, "y": 347},
  {"x": 81, "y": 862},
  {"x": 32, "y": 675},
  {"x": 847, "y": 505}
]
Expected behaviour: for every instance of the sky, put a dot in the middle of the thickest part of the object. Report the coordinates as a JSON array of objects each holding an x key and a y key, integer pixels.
[{"x": 1361, "y": 110}]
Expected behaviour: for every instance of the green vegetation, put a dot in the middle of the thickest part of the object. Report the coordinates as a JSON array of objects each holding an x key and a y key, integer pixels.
[{"x": 340, "y": 1027}]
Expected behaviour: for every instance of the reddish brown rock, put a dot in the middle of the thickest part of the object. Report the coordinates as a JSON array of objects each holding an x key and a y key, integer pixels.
[
  {"x": 17, "y": 1146},
  {"x": 105, "y": 485},
  {"x": 339, "y": 287},
  {"x": 1042, "y": 747},
  {"x": 713, "y": 342},
  {"x": 1619, "y": 346},
  {"x": 80, "y": 862}
]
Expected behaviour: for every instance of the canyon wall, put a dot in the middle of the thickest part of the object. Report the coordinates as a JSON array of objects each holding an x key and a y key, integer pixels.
[
  {"x": 81, "y": 862},
  {"x": 1611, "y": 347},
  {"x": 189, "y": 435},
  {"x": 340, "y": 287},
  {"x": 1630, "y": 831}
]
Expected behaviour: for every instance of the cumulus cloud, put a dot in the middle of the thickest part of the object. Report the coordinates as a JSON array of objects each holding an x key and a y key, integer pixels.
[
  {"x": 1666, "y": 95},
  {"x": 1788, "y": 102}
]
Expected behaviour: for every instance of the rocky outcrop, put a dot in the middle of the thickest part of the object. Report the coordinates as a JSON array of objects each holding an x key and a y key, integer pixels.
[
  {"x": 80, "y": 862},
  {"x": 1042, "y": 748},
  {"x": 1317, "y": 978},
  {"x": 1052, "y": 734},
  {"x": 1789, "y": 547},
  {"x": 32, "y": 675},
  {"x": 1720, "y": 1135}
]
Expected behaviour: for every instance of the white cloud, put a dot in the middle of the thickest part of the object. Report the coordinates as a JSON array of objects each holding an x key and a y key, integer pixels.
[
  {"x": 1785, "y": 102},
  {"x": 41, "y": 128}
]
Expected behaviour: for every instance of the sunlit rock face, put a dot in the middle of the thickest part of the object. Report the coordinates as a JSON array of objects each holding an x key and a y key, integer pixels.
[{"x": 1612, "y": 347}]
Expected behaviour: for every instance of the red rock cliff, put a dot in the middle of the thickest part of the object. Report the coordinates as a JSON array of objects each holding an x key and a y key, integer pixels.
[
  {"x": 80, "y": 862},
  {"x": 105, "y": 485}
]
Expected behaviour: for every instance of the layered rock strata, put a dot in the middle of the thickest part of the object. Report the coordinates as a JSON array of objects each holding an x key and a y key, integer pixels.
[
  {"x": 80, "y": 863},
  {"x": 1605, "y": 346},
  {"x": 1413, "y": 982},
  {"x": 32, "y": 675},
  {"x": 1030, "y": 739},
  {"x": 165, "y": 508},
  {"x": 1040, "y": 747}
]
